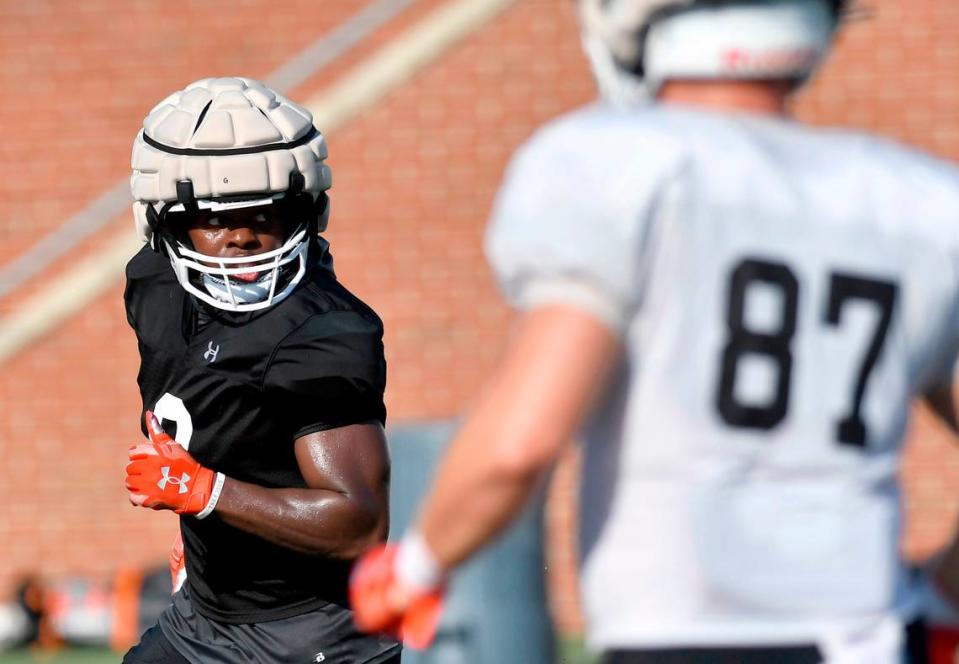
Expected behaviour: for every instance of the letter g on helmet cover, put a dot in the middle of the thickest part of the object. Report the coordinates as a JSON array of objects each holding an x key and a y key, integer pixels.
[
  {"x": 225, "y": 143},
  {"x": 635, "y": 45}
]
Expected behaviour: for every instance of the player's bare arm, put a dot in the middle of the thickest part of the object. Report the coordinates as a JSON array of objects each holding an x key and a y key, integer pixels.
[
  {"x": 944, "y": 567},
  {"x": 344, "y": 510},
  {"x": 555, "y": 368}
]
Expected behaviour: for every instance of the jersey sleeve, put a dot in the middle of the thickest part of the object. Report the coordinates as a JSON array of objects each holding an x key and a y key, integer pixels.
[
  {"x": 937, "y": 186},
  {"x": 945, "y": 365},
  {"x": 143, "y": 269},
  {"x": 952, "y": 346},
  {"x": 329, "y": 373},
  {"x": 954, "y": 361},
  {"x": 571, "y": 222}
]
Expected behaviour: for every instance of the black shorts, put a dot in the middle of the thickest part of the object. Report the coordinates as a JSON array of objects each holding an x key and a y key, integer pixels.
[
  {"x": 183, "y": 636},
  {"x": 747, "y": 655},
  {"x": 915, "y": 653}
]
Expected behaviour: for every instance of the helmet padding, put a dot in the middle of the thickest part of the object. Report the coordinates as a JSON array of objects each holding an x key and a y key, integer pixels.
[{"x": 227, "y": 142}]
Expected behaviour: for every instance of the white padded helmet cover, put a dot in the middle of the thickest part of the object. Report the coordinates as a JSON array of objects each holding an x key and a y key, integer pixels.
[{"x": 229, "y": 137}]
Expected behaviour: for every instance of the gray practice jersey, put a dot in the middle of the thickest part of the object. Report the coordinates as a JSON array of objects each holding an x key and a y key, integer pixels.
[{"x": 782, "y": 292}]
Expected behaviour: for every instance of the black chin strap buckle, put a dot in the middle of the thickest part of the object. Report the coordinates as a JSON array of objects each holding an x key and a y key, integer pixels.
[
  {"x": 297, "y": 184},
  {"x": 185, "y": 197},
  {"x": 153, "y": 220}
]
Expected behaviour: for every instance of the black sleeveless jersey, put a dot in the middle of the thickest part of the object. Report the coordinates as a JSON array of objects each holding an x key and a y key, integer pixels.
[{"x": 237, "y": 390}]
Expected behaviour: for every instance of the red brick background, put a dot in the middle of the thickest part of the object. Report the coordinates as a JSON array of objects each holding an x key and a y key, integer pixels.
[{"x": 414, "y": 179}]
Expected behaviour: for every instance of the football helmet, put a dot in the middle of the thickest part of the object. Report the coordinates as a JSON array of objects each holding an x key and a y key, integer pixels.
[
  {"x": 220, "y": 144},
  {"x": 635, "y": 45}
]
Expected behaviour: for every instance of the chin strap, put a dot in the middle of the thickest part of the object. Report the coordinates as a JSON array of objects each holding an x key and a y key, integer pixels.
[{"x": 185, "y": 197}]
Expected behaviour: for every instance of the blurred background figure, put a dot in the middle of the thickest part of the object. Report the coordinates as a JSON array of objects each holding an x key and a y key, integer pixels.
[
  {"x": 84, "y": 612},
  {"x": 422, "y": 102},
  {"x": 735, "y": 311}
]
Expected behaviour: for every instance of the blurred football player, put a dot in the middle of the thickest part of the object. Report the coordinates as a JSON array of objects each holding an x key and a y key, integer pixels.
[
  {"x": 262, "y": 380},
  {"x": 734, "y": 311}
]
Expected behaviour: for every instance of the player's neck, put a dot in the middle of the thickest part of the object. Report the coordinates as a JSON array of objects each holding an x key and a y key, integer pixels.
[{"x": 758, "y": 97}]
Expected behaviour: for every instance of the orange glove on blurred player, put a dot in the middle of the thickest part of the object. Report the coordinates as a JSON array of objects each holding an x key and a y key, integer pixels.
[
  {"x": 382, "y": 602},
  {"x": 162, "y": 475}
]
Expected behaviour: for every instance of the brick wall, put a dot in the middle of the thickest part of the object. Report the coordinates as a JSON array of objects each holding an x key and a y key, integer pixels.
[{"x": 414, "y": 179}]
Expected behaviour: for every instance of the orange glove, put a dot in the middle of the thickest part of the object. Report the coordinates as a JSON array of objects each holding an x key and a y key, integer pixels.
[
  {"x": 177, "y": 563},
  {"x": 162, "y": 475},
  {"x": 381, "y": 603}
]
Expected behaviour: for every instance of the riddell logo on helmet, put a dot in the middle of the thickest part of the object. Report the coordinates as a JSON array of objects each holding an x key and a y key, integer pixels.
[{"x": 739, "y": 60}]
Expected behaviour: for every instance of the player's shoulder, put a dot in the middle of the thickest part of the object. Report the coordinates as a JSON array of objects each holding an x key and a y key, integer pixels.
[
  {"x": 597, "y": 162},
  {"x": 872, "y": 155},
  {"x": 149, "y": 281},
  {"x": 323, "y": 294},
  {"x": 325, "y": 331},
  {"x": 600, "y": 134},
  {"x": 147, "y": 267},
  {"x": 322, "y": 311},
  {"x": 921, "y": 188},
  {"x": 146, "y": 263},
  {"x": 916, "y": 169},
  {"x": 578, "y": 202}
]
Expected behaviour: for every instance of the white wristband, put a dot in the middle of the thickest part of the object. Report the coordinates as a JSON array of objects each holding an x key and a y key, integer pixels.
[
  {"x": 416, "y": 566},
  {"x": 214, "y": 497}
]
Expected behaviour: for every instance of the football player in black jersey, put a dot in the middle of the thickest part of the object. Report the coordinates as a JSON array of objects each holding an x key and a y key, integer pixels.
[{"x": 262, "y": 380}]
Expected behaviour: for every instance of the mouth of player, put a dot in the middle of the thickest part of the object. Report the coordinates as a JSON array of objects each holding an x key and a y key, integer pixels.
[
  {"x": 259, "y": 270},
  {"x": 249, "y": 277}
]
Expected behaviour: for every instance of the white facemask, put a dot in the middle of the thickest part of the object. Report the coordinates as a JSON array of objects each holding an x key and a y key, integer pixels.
[{"x": 221, "y": 288}]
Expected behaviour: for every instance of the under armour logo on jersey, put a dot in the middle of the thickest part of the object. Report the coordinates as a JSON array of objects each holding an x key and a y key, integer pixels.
[
  {"x": 211, "y": 352},
  {"x": 176, "y": 481}
]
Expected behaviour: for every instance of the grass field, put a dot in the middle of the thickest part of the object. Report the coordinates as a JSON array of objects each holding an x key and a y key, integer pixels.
[
  {"x": 572, "y": 652},
  {"x": 66, "y": 656}
]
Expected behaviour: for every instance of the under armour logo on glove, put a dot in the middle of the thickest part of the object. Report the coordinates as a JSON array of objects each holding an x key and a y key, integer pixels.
[
  {"x": 181, "y": 481},
  {"x": 162, "y": 462}
]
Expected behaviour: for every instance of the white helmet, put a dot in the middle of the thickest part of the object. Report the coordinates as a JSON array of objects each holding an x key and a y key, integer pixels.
[
  {"x": 224, "y": 143},
  {"x": 635, "y": 45}
]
